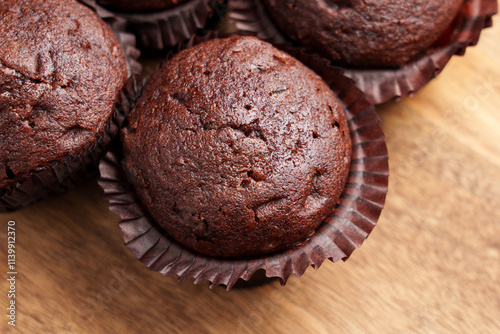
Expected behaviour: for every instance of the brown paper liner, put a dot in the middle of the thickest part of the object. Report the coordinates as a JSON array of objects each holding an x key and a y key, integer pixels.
[
  {"x": 61, "y": 176},
  {"x": 382, "y": 85},
  {"x": 344, "y": 230},
  {"x": 166, "y": 28}
]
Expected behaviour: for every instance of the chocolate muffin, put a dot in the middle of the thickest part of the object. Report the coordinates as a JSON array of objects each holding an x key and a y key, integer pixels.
[
  {"x": 365, "y": 34},
  {"x": 136, "y": 5},
  {"x": 237, "y": 149},
  {"x": 61, "y": 71}
]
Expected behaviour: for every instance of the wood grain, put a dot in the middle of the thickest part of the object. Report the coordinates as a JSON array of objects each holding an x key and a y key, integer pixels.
[{"x": 432, "y": 265}]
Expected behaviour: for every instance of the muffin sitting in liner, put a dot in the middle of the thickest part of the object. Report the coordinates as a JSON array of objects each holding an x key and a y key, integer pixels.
[
  {"x": 237, "y": 149},
  {"x": 369, "y": 34},
  {"x": 390, "y": 49},
  {"x": 61, "y": 72}
]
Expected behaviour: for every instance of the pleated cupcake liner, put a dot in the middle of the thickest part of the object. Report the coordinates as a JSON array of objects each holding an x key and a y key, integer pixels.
[
  {"x": 58, "y": 177},
  {"x": 383, "y": 85},
  {"x": 344, "y": 230},
  {"x": 165, "y": 28}
]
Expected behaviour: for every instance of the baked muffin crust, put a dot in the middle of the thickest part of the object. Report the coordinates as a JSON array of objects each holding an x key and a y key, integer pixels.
[
  {"x": 237, "y": 149},
  {"x": 365, "y": 33},
  {"x": 61, "y": 71}
]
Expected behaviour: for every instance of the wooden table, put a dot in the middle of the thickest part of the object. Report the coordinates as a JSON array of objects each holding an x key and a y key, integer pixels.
[{"x": 432, "y": 265}]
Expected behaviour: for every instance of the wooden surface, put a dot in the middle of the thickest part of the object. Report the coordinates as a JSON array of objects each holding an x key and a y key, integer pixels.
[{"x": 432, "y": 265}]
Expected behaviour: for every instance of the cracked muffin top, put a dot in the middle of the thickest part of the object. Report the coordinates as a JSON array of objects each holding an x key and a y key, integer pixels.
[
  {"x": 237, "y": 149},
  {"x": 139, "y": 5},
  {"x": 365, "y": 33},
  {"x": 61, "y": 70}
]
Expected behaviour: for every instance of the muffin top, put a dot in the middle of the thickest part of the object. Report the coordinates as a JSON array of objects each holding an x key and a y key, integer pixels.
[
  {"x": 61, "y": 70},
  {"x": 139, "y": 5},
  {"x": 237, "y": 149},
  {"x": 365, "y": 33}
]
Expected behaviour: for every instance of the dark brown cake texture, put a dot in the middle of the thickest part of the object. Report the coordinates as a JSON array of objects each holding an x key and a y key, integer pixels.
[
  {"x": 61, "y": 71},
  {"x": 237, "y": 149},
  {"x": 139, "y": 5},
  {"x": 365, "y": 34}
]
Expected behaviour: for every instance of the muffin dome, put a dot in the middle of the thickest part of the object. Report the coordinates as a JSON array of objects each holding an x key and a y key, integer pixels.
[
  {"x": 237, "y": 149},
  {"x": 61, "y": 71},
  {"x": 369, "y": 33},
  {"x": 139, "y": 5}
]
